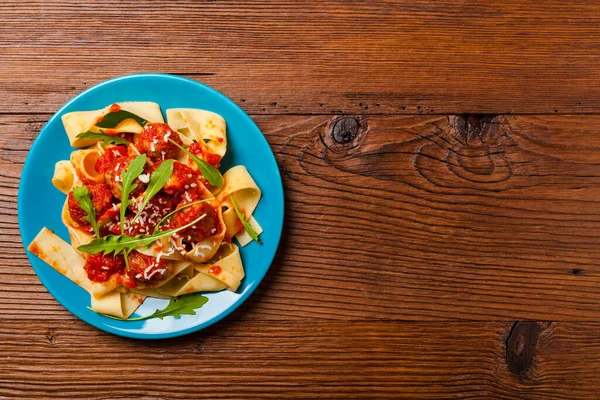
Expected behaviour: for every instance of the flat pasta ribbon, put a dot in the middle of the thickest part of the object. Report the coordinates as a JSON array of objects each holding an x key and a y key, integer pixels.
[
  {"x": 82, "y": 121},
  {"x": 246, "y": 194},
  {"x": 202, "y": 126},
  {"x": 62, "y": 257}
]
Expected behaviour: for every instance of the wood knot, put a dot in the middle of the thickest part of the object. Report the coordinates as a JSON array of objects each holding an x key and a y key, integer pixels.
[
  {"x": 521, "y": 345},
  {"x": 471, "y": 128},
  {"x": 576, "y": 271},
  {"x": 345, "y": 130},
  {"x": 342, "y": 135},
  {"x": 51, "y": 336}
]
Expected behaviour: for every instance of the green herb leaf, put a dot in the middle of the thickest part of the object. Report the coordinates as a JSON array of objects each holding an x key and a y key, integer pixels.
[
  {"x": 134, "y": 169},
  {"x": 162, "y": 221},
  {"x": 82, "y": 196},
  {"x": 212, "y": 175},
  {"x": 184, "y": 305},
  {"x": 245, "y": 223},
  {"x": 159, "y": 177},
  {"x": 112, "y": 119},
  {"x": 123, "y": 243},
  {"x": 106, "y": 139}
]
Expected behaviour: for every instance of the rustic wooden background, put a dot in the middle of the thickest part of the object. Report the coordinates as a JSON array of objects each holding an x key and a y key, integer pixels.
[{"x": 441, "y": 162}]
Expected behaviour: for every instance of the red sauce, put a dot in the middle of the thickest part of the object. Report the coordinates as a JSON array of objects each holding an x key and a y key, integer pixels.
[
  {"x": 220, "y": 140},
  {"x": 145, "y": 269},
  {"x": 154, "y": 141},
  {"x": 239, "y": 227},
  {"x": 113, "y": 173},
  {"x": 128, "y": 282},
  {"x": 207, "y": 227},
  {"x": 105, "y": 161},
  {"x": 101, "y": 200},
  {"x": 99, "y": 119},
  {"x": 114, "y": 108},
  {"x": 205, "y": 154},
  {"x": 182, "y": 176},
  {"x": 214, "y": 270},
  {"x": 154, "y": 211},
  {"x": 100, "y": 268}
]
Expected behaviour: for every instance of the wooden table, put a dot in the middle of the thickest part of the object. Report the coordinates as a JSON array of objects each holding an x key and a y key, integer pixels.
[{"x": 441, "y": 164}]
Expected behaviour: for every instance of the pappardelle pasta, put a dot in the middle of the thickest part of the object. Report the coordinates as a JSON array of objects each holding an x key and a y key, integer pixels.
[{"x": 147, "y": 210}]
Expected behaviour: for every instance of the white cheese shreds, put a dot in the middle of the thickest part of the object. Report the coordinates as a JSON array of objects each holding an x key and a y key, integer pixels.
[
  {"x": 144, "y": 177},
  {"x": 152, "y": 148}
]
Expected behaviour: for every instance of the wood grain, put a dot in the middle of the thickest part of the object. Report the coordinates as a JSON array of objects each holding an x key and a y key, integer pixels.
[
  {"x": 325, "y": 360},
  {"x": 418, "y": 218},
  {"x": 448, "y": 253},
  {"x": 288, "y": 56}
]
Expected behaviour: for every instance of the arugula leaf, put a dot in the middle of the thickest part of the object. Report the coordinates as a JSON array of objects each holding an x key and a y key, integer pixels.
[
  {"x": 134, "y": 169},
  {"x": 212, "y": 175},
  {"x": 245, "y": 223},
  {"x": 82, "y": 195},
  {"x": 122, "y": 243},
  {"x": 113, "y": 119},
  {"x": 107, "y": 139},
  {"x": 184, "y": 305},
  {"x": 162, "y": 221},
  {"x": 159, "y": 177}
]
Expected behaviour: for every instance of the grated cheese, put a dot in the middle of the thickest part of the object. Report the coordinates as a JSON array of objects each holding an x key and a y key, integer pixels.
[{"x": 144, "y": 177}]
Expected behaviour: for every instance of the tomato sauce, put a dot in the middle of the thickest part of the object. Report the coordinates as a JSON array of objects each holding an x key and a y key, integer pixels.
[
  {"x": 107, "y": 160},
  {"x": 146, "y": 269},
  {"x": 154, "y": 141},
  {"x": 101, "y": 200},
  {"x": 182, "y": 178},
  {"x": 203, "y": 229},
  {"x": 205, "y": 154},
  {"x": 215, "y": 270},
  {"x": 155, "y": 210},
  {"x": 114, "y": 108},
  {"x": 113, "y": 176},
  {"x": 100, "y": 268}
]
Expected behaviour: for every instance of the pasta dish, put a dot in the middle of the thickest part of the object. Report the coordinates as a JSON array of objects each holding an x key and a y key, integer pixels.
[{"x": 147, "y": 210}]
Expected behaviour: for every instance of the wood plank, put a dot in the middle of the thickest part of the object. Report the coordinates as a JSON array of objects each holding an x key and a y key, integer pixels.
[
  {"x": 325, "y": 360},
  {"x": 415, "y": 218},
  {"x": 288, "y": 56}
]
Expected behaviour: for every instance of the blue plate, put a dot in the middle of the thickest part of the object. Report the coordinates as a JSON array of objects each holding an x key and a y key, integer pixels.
[{"x": 40, "y": 203}]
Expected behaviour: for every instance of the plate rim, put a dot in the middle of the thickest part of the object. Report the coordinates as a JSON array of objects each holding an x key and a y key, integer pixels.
[{"x": 242, "y": 298}]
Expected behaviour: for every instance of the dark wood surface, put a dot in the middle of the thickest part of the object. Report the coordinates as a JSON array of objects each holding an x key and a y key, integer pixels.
[{"x": 441, "y": 165}]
